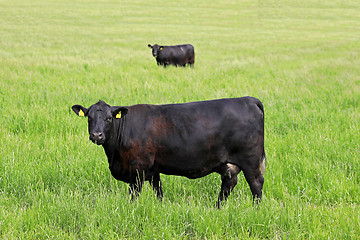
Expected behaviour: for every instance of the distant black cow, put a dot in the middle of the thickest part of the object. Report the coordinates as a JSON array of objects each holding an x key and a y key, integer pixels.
[
  {"x": 178, "y": 55},
  {"x": 190, "y": 139}
]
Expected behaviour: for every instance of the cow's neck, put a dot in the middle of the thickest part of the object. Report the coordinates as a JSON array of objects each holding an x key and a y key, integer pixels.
[
  {"x": 112, "y": 145},
  {"x": 111, "y": 153}
]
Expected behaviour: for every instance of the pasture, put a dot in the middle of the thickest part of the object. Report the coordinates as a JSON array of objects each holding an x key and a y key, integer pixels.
[{"x": 301, "y": 59}]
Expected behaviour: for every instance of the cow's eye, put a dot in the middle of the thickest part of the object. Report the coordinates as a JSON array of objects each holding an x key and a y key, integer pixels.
[
  {"x": 89, "y": 119},
  {"x": 109, "y": 119}
]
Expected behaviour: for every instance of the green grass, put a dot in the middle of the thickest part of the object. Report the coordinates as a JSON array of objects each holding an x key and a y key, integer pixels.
[{"x": 300, "y": 58}]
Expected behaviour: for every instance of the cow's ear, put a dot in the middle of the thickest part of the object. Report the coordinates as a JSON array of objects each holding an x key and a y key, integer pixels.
[
  {"x": 161, "y": 47},
  {"x": 119, "y": 112},
  {"x": 80, "y": 110},
  {"x": 149, "y": 45}
]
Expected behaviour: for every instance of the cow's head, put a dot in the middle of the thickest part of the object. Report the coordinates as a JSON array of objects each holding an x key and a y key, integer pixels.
[
  {"x": 155, "y": 49},
  {"x": 101, "y": 118}
]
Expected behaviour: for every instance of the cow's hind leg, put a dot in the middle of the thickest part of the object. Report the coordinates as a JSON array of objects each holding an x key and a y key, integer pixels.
[
  {"x": 229, "y": 174},
  {"x": 155, "y": 182},
  {"x": 255, "y": 180},
  {"x": 191, "y": 61}
]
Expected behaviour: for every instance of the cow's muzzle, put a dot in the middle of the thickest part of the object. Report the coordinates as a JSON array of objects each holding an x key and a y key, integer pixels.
[{"x": 97, "y": 138}]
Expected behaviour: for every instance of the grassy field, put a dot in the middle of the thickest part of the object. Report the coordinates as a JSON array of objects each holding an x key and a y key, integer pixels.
[{"x": 302, "y": 59}]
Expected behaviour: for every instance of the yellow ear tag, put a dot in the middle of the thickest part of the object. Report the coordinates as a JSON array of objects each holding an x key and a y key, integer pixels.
[
  {"x": 81, "y": 113},
  {"x": 161, "y": 48},
  {"x": 118, "y": 115}
]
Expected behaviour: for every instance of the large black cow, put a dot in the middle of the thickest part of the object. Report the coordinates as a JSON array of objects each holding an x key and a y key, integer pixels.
[
  {"x": 190, "y": 139},
  {"x": 178, "y": 55}
]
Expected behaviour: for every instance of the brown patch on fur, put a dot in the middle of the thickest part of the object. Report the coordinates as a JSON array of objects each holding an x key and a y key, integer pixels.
[
  {"x": 161, "y": 127},
  {"x": 139, "y": 155}
]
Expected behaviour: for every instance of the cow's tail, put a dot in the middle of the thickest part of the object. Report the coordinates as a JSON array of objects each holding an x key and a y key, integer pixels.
[
  {"x": 262, "y": 166},
  {"x": 191, "y": 59},
  {"x": 260, "y": 106},
  {"x": 263, "y": 156}
]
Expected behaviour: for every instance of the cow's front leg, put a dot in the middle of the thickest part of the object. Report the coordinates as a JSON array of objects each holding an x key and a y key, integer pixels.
[
  {"x": 134, "y": 189},
  {"x": 136, "y": 183},
  {"x": 155, "y": 182}
]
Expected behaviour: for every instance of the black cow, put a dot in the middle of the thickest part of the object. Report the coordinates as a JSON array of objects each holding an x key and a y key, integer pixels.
[
  {"x": 190, "y": 139},
  {"x": 178, "y": 55}
]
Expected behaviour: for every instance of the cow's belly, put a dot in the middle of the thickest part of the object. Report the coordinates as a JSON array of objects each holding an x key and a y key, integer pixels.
[
  {"x": 192, "y": 164},
  {"x": 186, "y": 172}
]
